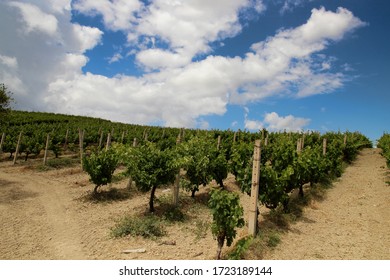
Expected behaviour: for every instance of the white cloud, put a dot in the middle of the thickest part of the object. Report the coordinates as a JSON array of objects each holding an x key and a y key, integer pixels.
[
  {"x": 35, "y": 19},
  {"x": 49, "y": 47},
  {"x": 10, "y": 62},
  {"x": 115, "y": 58},
  {"x": 117, "y": 14},
  {"x": 158, "y": 59},
  {"x": 253, "y": 124},
  {"x": 290, "y": 5},
  {"x": 187, "y": 27},
  {"x": 274, "y": 122},
  {"x": 87, "y": 37},
  {"x": 47, "y": 73},
  {"x": 289, "y": 123}
]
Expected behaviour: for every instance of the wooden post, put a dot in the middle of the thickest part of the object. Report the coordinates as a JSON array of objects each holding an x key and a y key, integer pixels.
[
  {"x": 345, "y": 139},
  {"x": 108, "y": 144},
  {"x": 17, "y": 148},
  {"x": 176, "y": 186},
  {"x": 303, "y": 142},
  {"x": 123, "y": 136},
  {"x": 234, "y": 137},
  {"x": 219, "y": 142},
  {"x": 81, "y": 145},
  {"x": 66, "y": 139},
  {"x": 46, "y": 148},
  {"x": 252, "y": 221},
  {"x": 324, "y": 147},
  {"x": 299, "y": 145},
  {"x": 101, "y": 138},
  {"x": 130, "y": 183},
  {"x": 2, "y": 142},
  {"x": 145, "y": 135}
]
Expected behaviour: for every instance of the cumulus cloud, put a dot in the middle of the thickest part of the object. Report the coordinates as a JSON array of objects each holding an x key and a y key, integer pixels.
[
  {"x": 166, "y": 37},
  {"x": 44, "y": 45},
  {"x": 274, "y": 122},
  {"x": 35, "y": 19},
  {"x": 289, "y": 123},
  {"x": 117, "y": 14}
]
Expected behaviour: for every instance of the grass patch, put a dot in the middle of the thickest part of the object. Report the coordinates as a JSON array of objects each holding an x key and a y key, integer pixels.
[
  {"x": 110, "y": 195},
  {"x": 58, "y": 163},
  {"x": 148, "y": 226},
  {"x": 273, "y": 239},
  {"x": 201, "y": 229},
  {"x": 172, "y": 214},
  {"x": 169, "y": 212},
  {"x": 240, "y": 248}
]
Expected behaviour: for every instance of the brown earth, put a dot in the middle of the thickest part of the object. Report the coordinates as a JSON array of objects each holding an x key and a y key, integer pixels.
[
  {"x": 351, "y": 223},
  {"x": 49, "y": 215}
]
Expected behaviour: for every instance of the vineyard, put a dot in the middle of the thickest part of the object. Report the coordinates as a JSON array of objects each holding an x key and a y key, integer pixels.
[{"x": 180, "y": 171}]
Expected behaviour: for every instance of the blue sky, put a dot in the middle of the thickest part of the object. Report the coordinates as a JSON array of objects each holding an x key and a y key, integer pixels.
[{"x": 243, "y": 64}]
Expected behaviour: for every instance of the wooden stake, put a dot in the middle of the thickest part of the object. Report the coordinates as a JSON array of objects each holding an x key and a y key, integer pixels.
[
  {"x": 66, "y": 139},
  {"x": 46, "y": 149},
  {"x": 101, "y": 138},
  {"x": 252, "y": 221},
  {"x": 108, "y": 143},
  {"x": 2, "y": 142},
  {"x": 176, "y": 185},
  {"x": 299, "y": 145},
  {"x": 81, "y": 146},
  {"x": 324, "y": 147},
  {"x": 17, "y": 148},
  {"x": 219, "y": 142},
  {"x": 345, "y": 139},
  {"x": 135, "y": 142}
]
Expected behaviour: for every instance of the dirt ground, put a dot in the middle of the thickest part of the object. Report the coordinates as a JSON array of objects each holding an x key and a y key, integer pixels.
[{"x": 48, "y": 215}]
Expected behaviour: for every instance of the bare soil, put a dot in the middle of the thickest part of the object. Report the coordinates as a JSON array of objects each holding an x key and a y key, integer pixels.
[
  {"x": 352, "y": 222},
  {"x": 50, "y": 215}
]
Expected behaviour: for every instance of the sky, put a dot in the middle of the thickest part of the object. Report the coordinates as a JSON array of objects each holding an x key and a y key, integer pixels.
[{"x": 293, "y": 65}]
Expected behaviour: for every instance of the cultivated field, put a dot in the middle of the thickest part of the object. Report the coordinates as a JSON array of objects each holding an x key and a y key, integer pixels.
[{"x": 51, "y": 215}]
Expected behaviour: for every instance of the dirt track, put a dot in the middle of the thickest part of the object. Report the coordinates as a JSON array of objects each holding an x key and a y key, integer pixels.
[
  {"x": 44, "y": 216},
  {"x": 352, "y": 222}
]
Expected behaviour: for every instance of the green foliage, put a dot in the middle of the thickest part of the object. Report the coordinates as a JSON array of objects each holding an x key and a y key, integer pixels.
[
  {"x": 150, "y": 168},
  {"x": 227, "y": 216},
  {"x": 240, "y": 248},
  {"x": 384, "y": 145},
  {"x": 241, "y": 164},
  {"x": 218, "y": 166},
  {"x": 100, "y": 166},
  {"x": 57, "y": 163},
  {"x": 5, "y": 101},
  {"x": 148, "y": 227},
  {"x": 195, "y": 160},
  {"x": 273, "y": 239}
]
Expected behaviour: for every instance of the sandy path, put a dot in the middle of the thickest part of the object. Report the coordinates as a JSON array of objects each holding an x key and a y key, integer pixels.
[
  {"x": 37, "y": 219},
  {"x": 353, "y": 222}
]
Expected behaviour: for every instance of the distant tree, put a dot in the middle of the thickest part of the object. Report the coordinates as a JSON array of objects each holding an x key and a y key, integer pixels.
[{"x": 5, "y": 101}]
